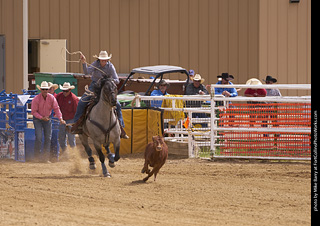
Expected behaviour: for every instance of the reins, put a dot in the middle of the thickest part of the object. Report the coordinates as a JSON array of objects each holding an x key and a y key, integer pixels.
[{"x": 106, "y": 132}]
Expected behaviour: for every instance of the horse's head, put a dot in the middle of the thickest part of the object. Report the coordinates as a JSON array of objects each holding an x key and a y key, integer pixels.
[{"x": 109, "y": 91}]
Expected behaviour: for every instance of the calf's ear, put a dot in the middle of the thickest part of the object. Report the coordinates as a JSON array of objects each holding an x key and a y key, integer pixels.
[{"x": 154, "y": 138}]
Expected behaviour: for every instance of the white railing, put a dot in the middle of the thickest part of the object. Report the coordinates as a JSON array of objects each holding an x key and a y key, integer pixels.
[{"x": 210, "y": 132}]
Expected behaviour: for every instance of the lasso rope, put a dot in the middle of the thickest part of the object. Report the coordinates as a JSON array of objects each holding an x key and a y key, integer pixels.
[{"x": 78, "y": 61}]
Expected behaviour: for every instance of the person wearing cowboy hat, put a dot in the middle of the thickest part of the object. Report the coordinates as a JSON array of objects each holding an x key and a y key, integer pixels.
[
  {"x": 53, "y": 87},
  {"x": 100, "y": 68},
  {"x": 196, "y": 88},
  {"x": 41, "y": 108},
  {"x": 251, "y": 92},
  {"x": 271, "y": 92},
  {"x": 225, "y": 80},
  {"x": 161, "y": 91},
  {"x": 68, "y": 103}
]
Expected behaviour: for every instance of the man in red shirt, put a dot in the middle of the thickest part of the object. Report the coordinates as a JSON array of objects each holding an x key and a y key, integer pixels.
[
  {"x": 255, "y": 92},
  {"x": 250, "y": 92},
  {"x": 68, "y": 103}
]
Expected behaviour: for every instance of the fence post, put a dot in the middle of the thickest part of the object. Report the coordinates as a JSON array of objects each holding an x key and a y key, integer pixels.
[
  {"x": 190, "y": 143},
  {"x": 212, "y": 123}
]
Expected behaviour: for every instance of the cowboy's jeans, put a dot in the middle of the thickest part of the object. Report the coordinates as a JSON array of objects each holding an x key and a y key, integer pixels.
[
  {"x": 119, "y": 113},
  {"x": 39, "y": 126},
  {"x": 83, "y": 102},
  {"x": 85, "y": 99},
  {"x": 63, "y": 136}
]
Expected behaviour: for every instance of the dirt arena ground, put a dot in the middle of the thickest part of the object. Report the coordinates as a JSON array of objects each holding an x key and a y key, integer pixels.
[{"x": 187, "y": 192}]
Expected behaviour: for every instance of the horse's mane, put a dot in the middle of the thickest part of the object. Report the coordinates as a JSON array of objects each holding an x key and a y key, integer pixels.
[{"x": 98, "y": 88}]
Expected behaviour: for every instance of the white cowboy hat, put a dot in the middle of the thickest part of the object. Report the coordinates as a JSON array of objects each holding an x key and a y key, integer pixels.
[
  {"x": 54, "y": 86},
  {"x": 103, "y": 55},
  {"x": 66, "y": 86},
  {"x": 253, "y": 81},
  {"x": 197, "y": 77},
  {"x": 44, "y": 85}
]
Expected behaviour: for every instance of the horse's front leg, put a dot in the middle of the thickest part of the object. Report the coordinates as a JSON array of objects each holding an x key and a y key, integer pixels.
[
  {"x": 110, "y": 156},
  {"x": 102, "y": 158},
  {"x": 84, "y": 141}
]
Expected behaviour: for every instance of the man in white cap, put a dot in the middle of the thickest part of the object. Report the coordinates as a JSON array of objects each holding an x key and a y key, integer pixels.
[
  {"x": 41, "y": 108},
  {"x": 68, "y": 103},
  {"x": 100, "y": 68}
]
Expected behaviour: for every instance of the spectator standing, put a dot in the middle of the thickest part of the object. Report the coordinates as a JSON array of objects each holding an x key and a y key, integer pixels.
[
  {"x": 191, "y": 75},
  {"x": 269, "y": 81},
  {"x": 196, "y": 88},
  {"x": 250, "y": 92},
  {"x": 225, "y": 80},
  {"x": 68, "y": 103},
  {"x": 41, "y": 108},
  {"x": 255, "y": 105},
  {"x": 52, "y": 89},
  {"x": 272, "y": 113}
]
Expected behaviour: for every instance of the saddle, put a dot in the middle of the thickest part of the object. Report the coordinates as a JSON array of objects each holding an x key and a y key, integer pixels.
[{"x": 77, "y": 127}]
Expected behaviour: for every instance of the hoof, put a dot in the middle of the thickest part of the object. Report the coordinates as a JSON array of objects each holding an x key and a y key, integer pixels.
[
  {"x": 111, "y": 164},
  {"x": 145, "y": 179},
  {"x": 111, "y": 160},
  {"x": 143, "y": 170},
  {"x": 116, "y": 157},
  {"x": 92, "y": 166},
  {"x": 111, "y": 157},
  {"x": 107, "y": 175}
]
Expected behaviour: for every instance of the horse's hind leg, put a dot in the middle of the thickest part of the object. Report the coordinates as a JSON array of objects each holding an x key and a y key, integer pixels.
[
  {"x": 84, "y": 141},
  {"x": 102, "y": 159},
  {"x": 116, "y": 146}
]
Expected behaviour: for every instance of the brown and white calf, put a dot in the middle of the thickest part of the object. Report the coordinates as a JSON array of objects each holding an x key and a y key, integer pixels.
[{"x": 155, "y": 155}]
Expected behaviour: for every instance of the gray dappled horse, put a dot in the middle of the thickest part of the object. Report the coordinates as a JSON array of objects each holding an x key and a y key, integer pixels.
[{"x": 102, "y": 125}]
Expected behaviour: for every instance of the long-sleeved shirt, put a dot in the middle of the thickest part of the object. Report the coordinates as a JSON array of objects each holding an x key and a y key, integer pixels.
[
  {"x": 273, "y": 92},
  {"x": 157, "y": 103},
  {"x": 108, "y": 69},
  {"x": 255, "y": 92},
  {"x": 233, "y": 92},
  {"x": 192, "y": 90},
  {"x": 68, "y": 105},
  {"x": 41, "y": 107}
]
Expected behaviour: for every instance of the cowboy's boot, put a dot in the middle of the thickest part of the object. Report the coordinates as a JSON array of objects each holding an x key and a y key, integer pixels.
[
  {"x": 76, "y": 128},
  {"x": 123, "y": 133}
]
